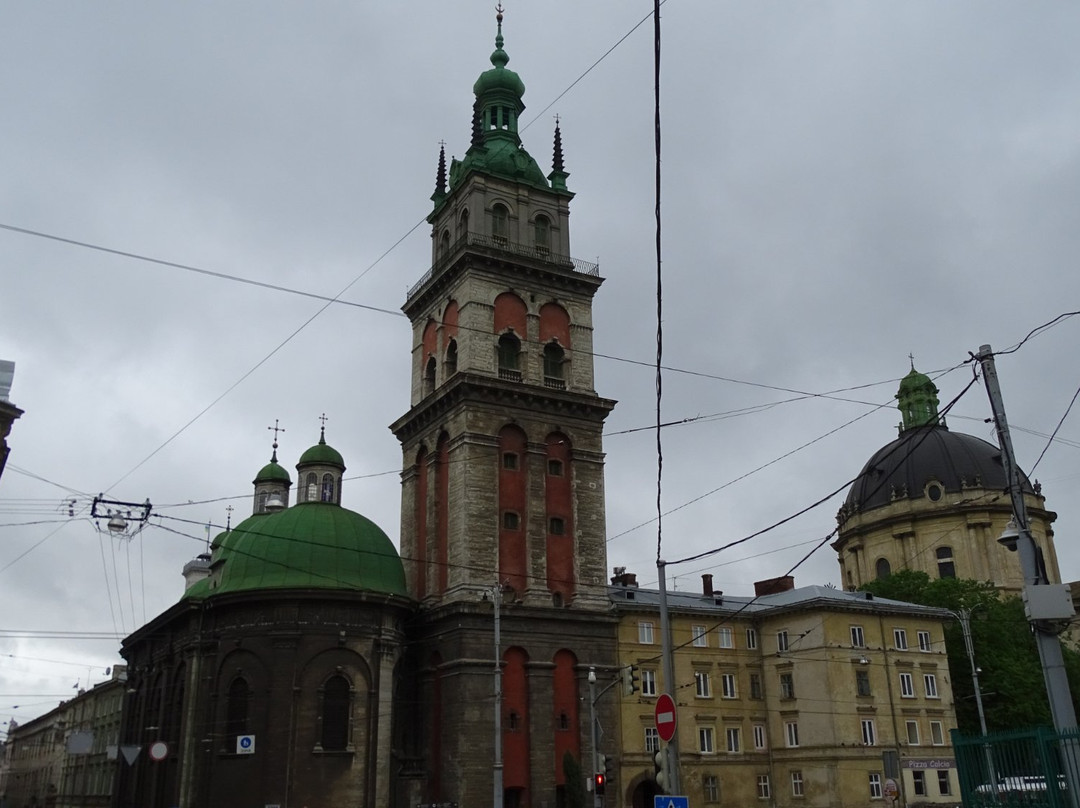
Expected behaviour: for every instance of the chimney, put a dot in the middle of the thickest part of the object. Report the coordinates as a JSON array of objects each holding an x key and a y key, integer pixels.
[
  {"x": 774, "y": 586},
  {"x": 706, "y": 584},
  {"x": 624, "y": 578}
]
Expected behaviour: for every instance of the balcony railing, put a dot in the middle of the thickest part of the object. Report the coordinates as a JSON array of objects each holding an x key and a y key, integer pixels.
[{"x": 532, "y": 251}]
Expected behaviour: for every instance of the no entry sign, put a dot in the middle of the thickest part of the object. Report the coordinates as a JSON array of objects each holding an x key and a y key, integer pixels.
[{"x": 665, "y": 717}]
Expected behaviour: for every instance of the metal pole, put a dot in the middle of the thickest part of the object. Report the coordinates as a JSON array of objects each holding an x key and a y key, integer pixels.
[
  {"x": 964, "y": 616},
  {"x": 592, "y": 734},
  {"x": 669, "y": 675},
  {"x": 1053, "y": 664},
  {"x": 497, "y": 766}
]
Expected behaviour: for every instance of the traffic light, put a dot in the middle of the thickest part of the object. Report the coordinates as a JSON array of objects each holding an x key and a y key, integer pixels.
[
  {"x": 662, "y": 775},
  {"x": 607, "y": 763},
  {"x": 630, "y": 680},
  {"x": 599, "y": 781}
]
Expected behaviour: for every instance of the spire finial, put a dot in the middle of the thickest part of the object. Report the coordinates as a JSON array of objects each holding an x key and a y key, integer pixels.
[
  {"x": 498, "y": 23},
  {"x": 911, "y": 357},
  {"x": 275, "y": 429},
  {"x": 322, "y": 429},
  {"x": 228, "y": 518},
  {"x": 557, "y": 158},
  {"x": 440, "y": 174}
]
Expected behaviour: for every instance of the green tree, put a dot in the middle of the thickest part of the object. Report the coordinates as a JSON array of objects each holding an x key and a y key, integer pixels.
[
  {"x": 576, "y": 796},
  {"x": 1010, "y": 678}
]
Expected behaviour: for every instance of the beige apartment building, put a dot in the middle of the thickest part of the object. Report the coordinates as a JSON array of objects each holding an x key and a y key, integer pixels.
[{"x": 795, "y": 697}]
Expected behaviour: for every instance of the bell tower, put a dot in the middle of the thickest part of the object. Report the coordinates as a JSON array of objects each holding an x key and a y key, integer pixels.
[{"x": 502, "y": 480}]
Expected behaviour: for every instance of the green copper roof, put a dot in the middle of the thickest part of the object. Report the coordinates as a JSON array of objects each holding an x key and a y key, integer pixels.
[
  {"x": 323, "y": 453},
  {"x": 272, "y": 472},
  {"x": 313, "y": 545},
  {"x": 918, "y": 400}
]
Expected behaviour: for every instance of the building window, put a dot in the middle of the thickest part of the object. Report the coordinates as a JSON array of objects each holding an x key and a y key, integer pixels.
[
  {"x": 875, "y": 785},
  {"x": 327, "y": 488},
  {"x": 648, "y": 682},
  {"x": 759, "y": 737},
  {"x": 937, "y": 733},
  {"x": 930, "y": 685},
  {"x": 791, "y": 733},
  {"x": 429, "y": 376},
  {"x": 734, "y": 742},
  {"x": 511, "y": 520},
  {"x": 726, "y": 637},
  {"x": 702, "y": 686},
  {"x": 710, "y": 788},
  {"x": 924, "y": 641},
  {"x": 509, "y": 356},
  {"x": 645, "y": 632},
  {"x": 862, "y": 683},
  {"x": 513, "y": 722},
  {"x": 882, "y": 568},
  {"x": 907, "y": 686},
  {"x": 781, "y": 641},
  {"x": 700, "y": 635},
  {"x": 857, "y": 638},
  {"x": 869, "y": 733},
  {"x": 755, "y": 686},
  {"x": 564, "y": 722},
  {"x": 556, "y": 526},
  {"x": 787, "y": 686},
  {"x": 652, "y": 739},
  {"x": 705, "y": 740},
  {"x": 451, "y": 358},
  {"x": 555, "y": 468},
  {"x": 944, "y": 786},
  {"x": 918, "y": 777},
  {"x": 763, "y": 790},
  {"x": 510, "y": 461},
  {"x": 912, "y": 733},
  {"x": 237, "y": 703},
  {"x": 542, "y": 233},
  {"x": 336, "y": 704},
  {"x": 500, "y": 222},
  {"x": 899, "y": 639},
  {"x": 797, "y": 784},
  {"x": 946, "y": 568},
  {"x": 727, "y": 686},
  {"x": 312, "y": 487},
  {"x": 554, "y": 357},
  {"x": 751, "y": 638}
]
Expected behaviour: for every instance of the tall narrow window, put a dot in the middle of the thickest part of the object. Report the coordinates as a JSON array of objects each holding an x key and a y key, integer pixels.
[
  {"x": 751, "y": 638},
  {"x": 858, "y": 640},
  {"x": 553, "y": 366},
  {"x": 509, "y": 352},
  {"x": 700, "y": 635},
  {"x": 705, "y": 740},
  {"x": 652, "y": 739},
  {"x": 726, "y": 637},
  {"x": 336, "y": 700},
  {"x": 542, "y": 233},
  {"x": 500, "y": 222},
  {"x": 451, "y": 358},
  {"x": 875, "y": 785},
  {"x": 237, "y": 704},
  {"x": 862, "y": 683},
  {"x": 764, "y": 792},
  {"x": 869, "y": 732},
  {"x": 645, "y": 632},
  {"x": 429, "y": 377},
  {"x": 463, "y": 224},
  {"x": 945, "y": 566},
  {"x": 327, "y": 494},
  {"x": 787, "y": 686},
  {"x": 444, "y": 244},
  {"x": 781, "y": 640},
  {"x": 882, "y": 568},
  {"x": 312, "y": 487}
]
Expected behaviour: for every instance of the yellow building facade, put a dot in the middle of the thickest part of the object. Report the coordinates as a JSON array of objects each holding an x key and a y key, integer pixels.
[{"x": 796, "y": 697}]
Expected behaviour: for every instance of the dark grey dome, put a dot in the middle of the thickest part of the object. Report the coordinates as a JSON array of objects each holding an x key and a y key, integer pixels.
[{"x": 901, "y": 469}]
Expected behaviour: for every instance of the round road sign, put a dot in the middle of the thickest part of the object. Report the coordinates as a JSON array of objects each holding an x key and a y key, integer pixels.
[
  {"x": 159, "y": 750},
  {"x": 665, "y": 717}
]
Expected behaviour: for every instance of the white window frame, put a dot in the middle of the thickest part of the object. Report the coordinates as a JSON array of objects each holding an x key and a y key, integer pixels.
[
  {"x": 907, "y": 686},
  {"x": 764, "y": 791},
  {"x": 652, "y": 740},
  {"x": 700, "y": 636},
  {"x": 733, "y": 740},
  {"x": 858, "y": 638},
  {"x": 797, "y": 784},
  {"x": 782, "y": 643},
  {"x": 751, "y": 638},
  {"x": 791, "y": 734},
  {"x": 729, "y": 686},
  {"x": 930, "y": 686},
  {"x": 787, "y": 685},
  {"x": 760, "y": 738},
  {"x": 648, "y": 682},
  {"x": 874, "y": 781},
  {"x": 706, "y": 741},
  {"x": 702, "y": 685},
  {"x": 899, "y": 636},
  {"x": 912, "y": 728},
  {"x": 869, "y": 732},
  {"x": 645, "y": 633},
  {"x": 926, "y": 644},
  {"x": 725, "y": 637},
  {"x": 937, "y": 733}
]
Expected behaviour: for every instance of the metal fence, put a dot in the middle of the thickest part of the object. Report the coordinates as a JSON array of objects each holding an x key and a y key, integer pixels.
[{"x": 1028, "y": 768}]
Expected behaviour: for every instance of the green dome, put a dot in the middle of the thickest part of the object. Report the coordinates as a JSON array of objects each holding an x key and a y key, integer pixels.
[
  {"x": 312, "y": 545},
  {"x": 272, "y": 472},
  {"x": 499, "y": 78},
  {"x": 322, "y": 453},
  {"x": 917, "y": 401}
]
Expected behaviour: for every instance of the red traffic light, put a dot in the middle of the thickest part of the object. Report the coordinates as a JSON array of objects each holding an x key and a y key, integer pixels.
[{"x": 599, "y": 781}]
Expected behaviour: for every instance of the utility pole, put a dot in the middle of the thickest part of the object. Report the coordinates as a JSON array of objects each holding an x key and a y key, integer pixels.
[
  {"x": 964, "y": 616},
  {"x": 668, "y": 653},
  {"x": 592, "y": 735},
  {"x": 1043, "y": 601}
]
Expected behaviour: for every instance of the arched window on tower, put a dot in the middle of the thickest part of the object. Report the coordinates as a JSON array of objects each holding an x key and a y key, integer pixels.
[
  {"x": 946, "y": 568},
  {"x": 500, "y": 222},
  {"x": 509, "y": 356},
  {"x": 451, "y": 358},
  {"x": 336, "y": 713},
  {"x": 312, "y": 493},
  {"x": 463, "y": 224},
  {"x": 554, "y": 356},
  {"x": 444, "y": 244},
  {"x": 327, "y": 493},
  {"x": 542, "y": 234},
  {"x": 882, "y": 568},
  {"x": 429, "y": 376},
  {"x": 237, "y": 703}
]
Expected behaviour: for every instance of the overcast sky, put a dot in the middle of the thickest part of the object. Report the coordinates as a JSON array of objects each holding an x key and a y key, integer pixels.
[{"x": 844, "y": 184}]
